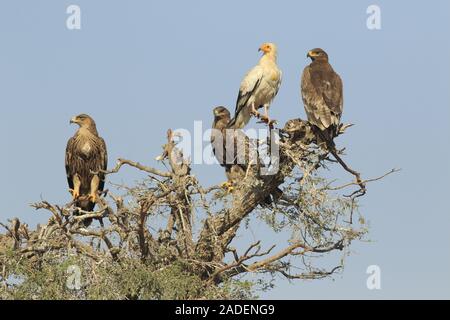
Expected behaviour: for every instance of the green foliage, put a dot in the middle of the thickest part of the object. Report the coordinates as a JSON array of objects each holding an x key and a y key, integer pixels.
[{"x": 127, "y": 279}]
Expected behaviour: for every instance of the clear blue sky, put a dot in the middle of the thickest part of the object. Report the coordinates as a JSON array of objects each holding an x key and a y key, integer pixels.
[{"x": 141, "y": 67}]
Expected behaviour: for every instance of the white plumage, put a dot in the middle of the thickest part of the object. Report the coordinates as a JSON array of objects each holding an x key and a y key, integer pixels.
[{"x": 258, "y": 88}]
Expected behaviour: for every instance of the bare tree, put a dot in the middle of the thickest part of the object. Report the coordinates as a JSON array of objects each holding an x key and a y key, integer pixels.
[{"x": 169, "y": 220}]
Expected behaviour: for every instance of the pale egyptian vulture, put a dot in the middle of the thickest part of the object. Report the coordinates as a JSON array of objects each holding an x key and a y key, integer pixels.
[
  {"x": 322, "y": 95},
  {"x": 258, "y": 88},
  {"x": 86, "y": 157},
  {"x": 235, "y": 155}
]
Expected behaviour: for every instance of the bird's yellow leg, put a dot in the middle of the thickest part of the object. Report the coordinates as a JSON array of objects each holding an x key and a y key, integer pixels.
[
  {"x": 266, "y": 113},
  {"x": 93, "y": 195},
  {"x": 265, "y": 118},
  {"x": 254, "y": 111},
  {"x": 76, "y": 187}
]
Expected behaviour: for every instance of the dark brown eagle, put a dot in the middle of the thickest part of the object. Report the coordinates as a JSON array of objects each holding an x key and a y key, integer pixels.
[
  {"x": 85, "y": 155},
  {"x": 225, "y": 156},
  {"x": 234, "y": 156},
  {"x": 322, "y": 95}
]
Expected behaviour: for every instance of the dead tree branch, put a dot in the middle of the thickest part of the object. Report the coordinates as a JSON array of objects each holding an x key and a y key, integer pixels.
[{"x": 167, "y": 200}]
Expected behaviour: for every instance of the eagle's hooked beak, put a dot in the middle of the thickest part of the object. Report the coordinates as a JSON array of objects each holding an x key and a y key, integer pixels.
[
  {"x": 310, "y": 54},
  {"x": 217, "y": 112},
  {"x": 73, "y": 120}
]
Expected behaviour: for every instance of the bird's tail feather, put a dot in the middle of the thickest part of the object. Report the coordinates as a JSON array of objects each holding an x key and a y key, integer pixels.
[{"x": 325, "y": 138}]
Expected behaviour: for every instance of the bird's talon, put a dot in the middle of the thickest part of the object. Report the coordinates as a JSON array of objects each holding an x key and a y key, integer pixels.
[
  {"x": 75, "y": 195},
  {"x": 93, "y": 198},
  {"x": 272, "y": 123},
  {"x": 256, "y": 114},
  {"x": 268, "y": 121}
]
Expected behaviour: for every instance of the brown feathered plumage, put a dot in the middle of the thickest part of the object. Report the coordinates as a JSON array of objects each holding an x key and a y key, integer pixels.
[
  {"x": 225, "y": 156},
  {"x": 322, "y": 93},
  {"x": 234, "y": 155},
  {"x": 86, "y": 153}
]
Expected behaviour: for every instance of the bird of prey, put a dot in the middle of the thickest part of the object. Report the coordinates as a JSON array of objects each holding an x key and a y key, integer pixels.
[
  {"x": 237, "y": 155},
  {"x": 226, "y": 156},
  {"x": 321, "y": 89},
  {"x": 258, "y": 88},
  {"x": 86, "y": 157}
]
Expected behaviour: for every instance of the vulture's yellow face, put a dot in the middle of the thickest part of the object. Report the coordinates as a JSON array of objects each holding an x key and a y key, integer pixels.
[{"x": 267, "y": 48}]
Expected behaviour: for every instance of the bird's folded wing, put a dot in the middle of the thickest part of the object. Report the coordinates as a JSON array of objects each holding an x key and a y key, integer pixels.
[
  {"x": 277, "y": 81},
  {"x": 249, "y": 85},
  {"x": 318, "y": 112},
  {"x": 332, "y": 94},
  {"x": 103, "y": 162},
  {"x": 68, "y": 161}
]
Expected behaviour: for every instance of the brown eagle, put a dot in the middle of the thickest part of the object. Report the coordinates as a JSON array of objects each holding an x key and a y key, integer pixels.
[
  {"x": 321, "y": 90},
  {"x": 85, "y": 155},
  {"x": 225, "y": 156},
  {"x": 234, "y": 156}
]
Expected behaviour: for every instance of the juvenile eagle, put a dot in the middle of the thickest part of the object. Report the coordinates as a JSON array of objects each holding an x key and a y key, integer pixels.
[
  {"x": 235, "y": 156},
  {"x": 321, "y": 90},
  {"x": 258, "y": 88},
  {"x": 85, "y": 155},
  {"x": 226, "y": 156}
]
